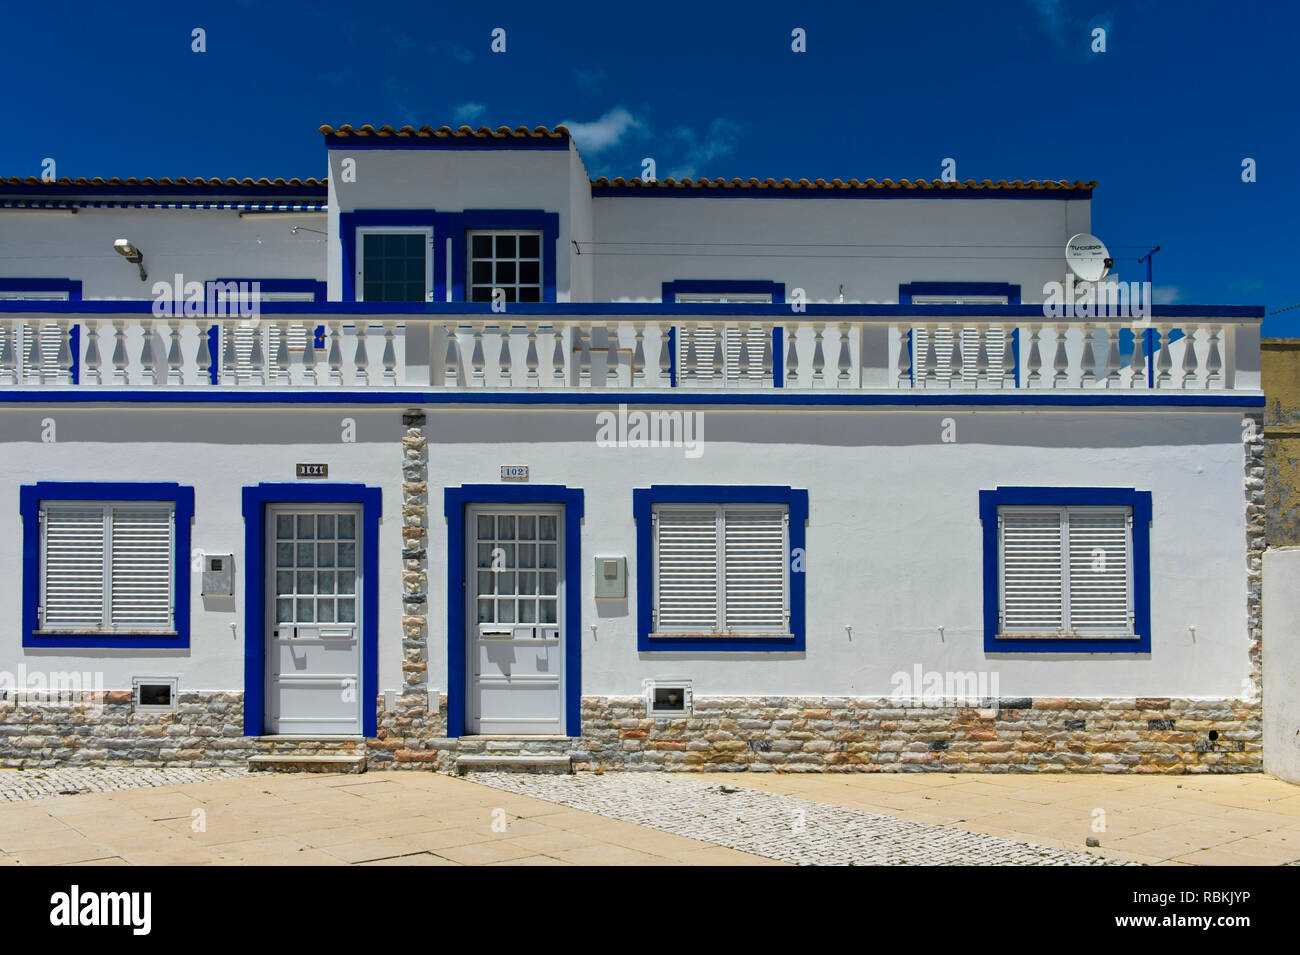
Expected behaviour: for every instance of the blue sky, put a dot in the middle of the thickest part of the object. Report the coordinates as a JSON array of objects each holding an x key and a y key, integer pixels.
[{"x": 1163, "y": 119}]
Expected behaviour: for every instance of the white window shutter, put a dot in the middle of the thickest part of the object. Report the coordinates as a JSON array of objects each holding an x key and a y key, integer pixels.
[
  {"x": 1032, "y": 584},
  {"x": 686, "y": 570},
  {"x": 705, "y": 339},
  {"x": 141, "y": 575},
  {"x": 270, "y": 345},
  {"x": 73, "y": 568},
  {"x": 51, "y": 343},
  {"x": 1099, "y": 572},
  {"x": 754, "y": 569},
  {"x": 970, "y": 343}
]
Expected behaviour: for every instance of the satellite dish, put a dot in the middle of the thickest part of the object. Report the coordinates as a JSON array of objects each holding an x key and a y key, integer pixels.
[{"x": 1087, "y": 257}]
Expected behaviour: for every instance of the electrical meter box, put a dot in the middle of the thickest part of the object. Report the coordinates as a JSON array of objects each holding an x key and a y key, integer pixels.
[
  {"x": 218, "y": 575},
  {"x": 611, "y": 577}
]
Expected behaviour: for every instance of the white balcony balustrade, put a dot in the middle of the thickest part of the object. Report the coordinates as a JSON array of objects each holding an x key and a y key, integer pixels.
[{"x": 560, "y": 353}]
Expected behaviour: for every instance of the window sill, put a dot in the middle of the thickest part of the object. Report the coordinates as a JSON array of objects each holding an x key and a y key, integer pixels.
[
  {"x": 107, "y": 634},
  {"x": 721, "y": 637},
  {"x": 1067, "y": 636}
]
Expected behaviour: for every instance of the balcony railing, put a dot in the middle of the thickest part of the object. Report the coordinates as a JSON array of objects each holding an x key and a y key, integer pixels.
[{"x": 628, "y": 352}]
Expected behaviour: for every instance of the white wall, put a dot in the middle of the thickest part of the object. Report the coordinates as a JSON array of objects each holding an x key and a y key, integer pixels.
[
  {"x": 810, "y": 243},
  {"x": 198, "y": 244},
  {"x": 894, "y": 539},
  {"x": 1281, "y": 649}
]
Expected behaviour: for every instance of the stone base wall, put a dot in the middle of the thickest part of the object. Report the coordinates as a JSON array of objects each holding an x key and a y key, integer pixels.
[{"x": 761, "y": 734}]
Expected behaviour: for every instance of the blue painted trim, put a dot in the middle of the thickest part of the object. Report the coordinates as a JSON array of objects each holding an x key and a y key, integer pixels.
[
  {"x": 71, "y": 286},
  {"x": 1139, "y": 501},
  {"x": 858, "y": 192},
  {"x": 1030, "y": 313},
  {"x": 778, "y": 356},
  {"x": 353, "y": 143},
  {"x": 455, "y": 500},
  {"x": 453, "y": 225},
  {"x": 318, "y": 289},
  {"x": 30, "y": 497},
  {"x": 643, "y": 500},
  {"x": 670, "y": 290},
  {"x": 255, "y": 499},
  {"x": 1036, "y": 398},
  {"x": 672, "y": 356},
  {"x": 908, "y": 289},
  {"x": 214, "y": 350}
]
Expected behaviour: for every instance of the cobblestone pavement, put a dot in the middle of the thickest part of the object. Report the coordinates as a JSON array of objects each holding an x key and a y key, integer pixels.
[
  {"x": 786, "y": 828},
  {"x": 20, "y": 785}
]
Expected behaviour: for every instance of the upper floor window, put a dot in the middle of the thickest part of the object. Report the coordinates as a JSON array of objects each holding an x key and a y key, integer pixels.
[
  {"x": 508, "y": 260},
  {"x": 395, "y": 265}
]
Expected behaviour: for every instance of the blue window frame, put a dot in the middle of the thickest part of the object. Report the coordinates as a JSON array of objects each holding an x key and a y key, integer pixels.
[
  {"x": 255, "y": 500},
  {"x": 33, "y": 497},
  {"x": 644, "y": 501},
  {"x": 455, "y": 501},
  {"x": 721, "y": 287},
  {"x": 455, "y": 226},
  {"x": 1139, "y": 504}
]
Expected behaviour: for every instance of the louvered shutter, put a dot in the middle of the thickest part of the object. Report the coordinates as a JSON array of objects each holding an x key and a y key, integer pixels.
[
  {"x": 1099, "y": 572},
  {"x": 270, "y": 344},
  {"x": 686, "y": 570},
  {"x": 51, "y": 343},
  {"x": 141, "y": 568},
  {"x": 994, "y": 340},
  {"x": 754, "y": 569},
  {"x": 1032, "y": 582},
  {"x": 732, "y": 336},
  {"x": 73, "y": 566}
]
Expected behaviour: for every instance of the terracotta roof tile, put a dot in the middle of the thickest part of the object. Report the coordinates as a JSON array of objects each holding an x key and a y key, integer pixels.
[
  {"x": 426, "y": 132},
  {"x": 133, "y": 182},
  {"x": 924, "y": 185}
]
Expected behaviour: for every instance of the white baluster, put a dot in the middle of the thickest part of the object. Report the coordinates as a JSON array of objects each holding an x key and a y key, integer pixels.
[
  {"x": 280, "y": 373},
  {"x": 256, "y": 358},
  {"x": 1088, "y": 359},
  {"x": 1035, "y": 361},
  {"x": 845, "y": 360},
  {"x": 309, "y": 356},
  {"x": 638, "y": 355},
  {"x": 584, "y": 355},
  {"x": 981, "y": 354},
  {"x": 361, "y": 374},
  {"x": 767, "y": 356},
  {"x": 1213, "y": 362},
  {"x": 791, "y": 354},
  {"x": 93, "y": 371},
  {"x": 148, "y": 371},
  {"x": 1138, "y": 364},
  {"x": 1164, "y": 361},
  {"x": 451, "y": 360},
  {"x": 335, "y": 356},
  {"x": 1061, "y": 363},
  {"x": 819, "y": 357},
  {"x": 742, "y": 365},
  {"x": 931, "y": 355},
  {"x": 505, "y": 362},
  {"x": 477, "y": 360},
  {"x": 690, "y": 365},
  {"x": 1112, "y": 356},
  {"x": 530, "y": 356},
  {"x": 557, "y": 356},
  {"x": 120, "y": 373},
  {"x": 64, "y": 358},
  {"x": 35, "y": 365},
  {"x": 174, "y": 357},
  {"x": 719, "y": 356},
  {"x": 1190, "y": 362},
  {"x": 390, "y": 355}
]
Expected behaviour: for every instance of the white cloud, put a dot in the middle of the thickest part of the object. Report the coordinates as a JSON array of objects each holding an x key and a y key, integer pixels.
[
  {"x": 1052, "y": 13},
  {"x": 718, "y": 140},
  {"x": 604, "y": 133},
  {"x": 466, "y": 114}
]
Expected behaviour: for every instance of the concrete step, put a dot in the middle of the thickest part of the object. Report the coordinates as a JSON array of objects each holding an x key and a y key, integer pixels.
[
  {"x": 306, "y": 763},
  {"x": 513, "y": 763}
]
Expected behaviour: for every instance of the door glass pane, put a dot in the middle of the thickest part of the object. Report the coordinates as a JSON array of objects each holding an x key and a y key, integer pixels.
[
  {"x": 347, "y": 527},
  {"x": 485, "y": 611},
  {"x": 505, "y": 527},
  {"x": 305, "y": 611},
  {"x": 284, "y": 555},
  {"x": 527, "y": 527},
  {"x": 347, "y": 608},
  {"x": 527, "y": 555},
  {"x": 306, "y": 555},
  {"x": 546, "y": 527},
  {"x": 283, "y": 582},
  {"x": 325, "y": 611},
  {"x": 527, "y": 611},
  {"x": 548, "y": 583},
  {"x": 325, "y": 526},
  {"x": 306, "y": 526},
  {"x": 506, "y": 611},
  {"x": 548, "y": 610},
  {"x": 283, "y": 611},
  {"x": 347, "y": 581},
  {"x": 284, "y": 525},
  {"x": 528, "y": 582},
  {"x": 485, "y": 578},
  {"x": 347, "y": 554},
  {"x": 325, "y": 554},
  {"x": 325, "y": 582},
  {"x": 305, "y": 581},
  {"x": 548, "y": 555}
]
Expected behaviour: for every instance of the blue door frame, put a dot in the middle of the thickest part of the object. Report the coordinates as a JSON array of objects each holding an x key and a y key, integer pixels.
[
  {"x": 254, "y": 507},
  {"x": 456, "y": 499}
]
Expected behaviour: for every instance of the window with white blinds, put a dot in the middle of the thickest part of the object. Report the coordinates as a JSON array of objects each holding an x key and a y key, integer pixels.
[
  {"x": 1066, "y": 571},
  {"x": 721, "y": 568},
  {"x": 994, "y": 340},
  {"x": 107, "y": 567},
  {"x": 706, "y": 339}
]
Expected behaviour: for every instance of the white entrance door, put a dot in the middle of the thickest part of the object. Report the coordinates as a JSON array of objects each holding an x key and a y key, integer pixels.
[
  {"x": 515, "y": 643},
  {"x": 313, "y": 604}
]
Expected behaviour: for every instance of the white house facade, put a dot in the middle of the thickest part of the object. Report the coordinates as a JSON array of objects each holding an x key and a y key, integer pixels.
[{"x": 459, "y": 458}]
